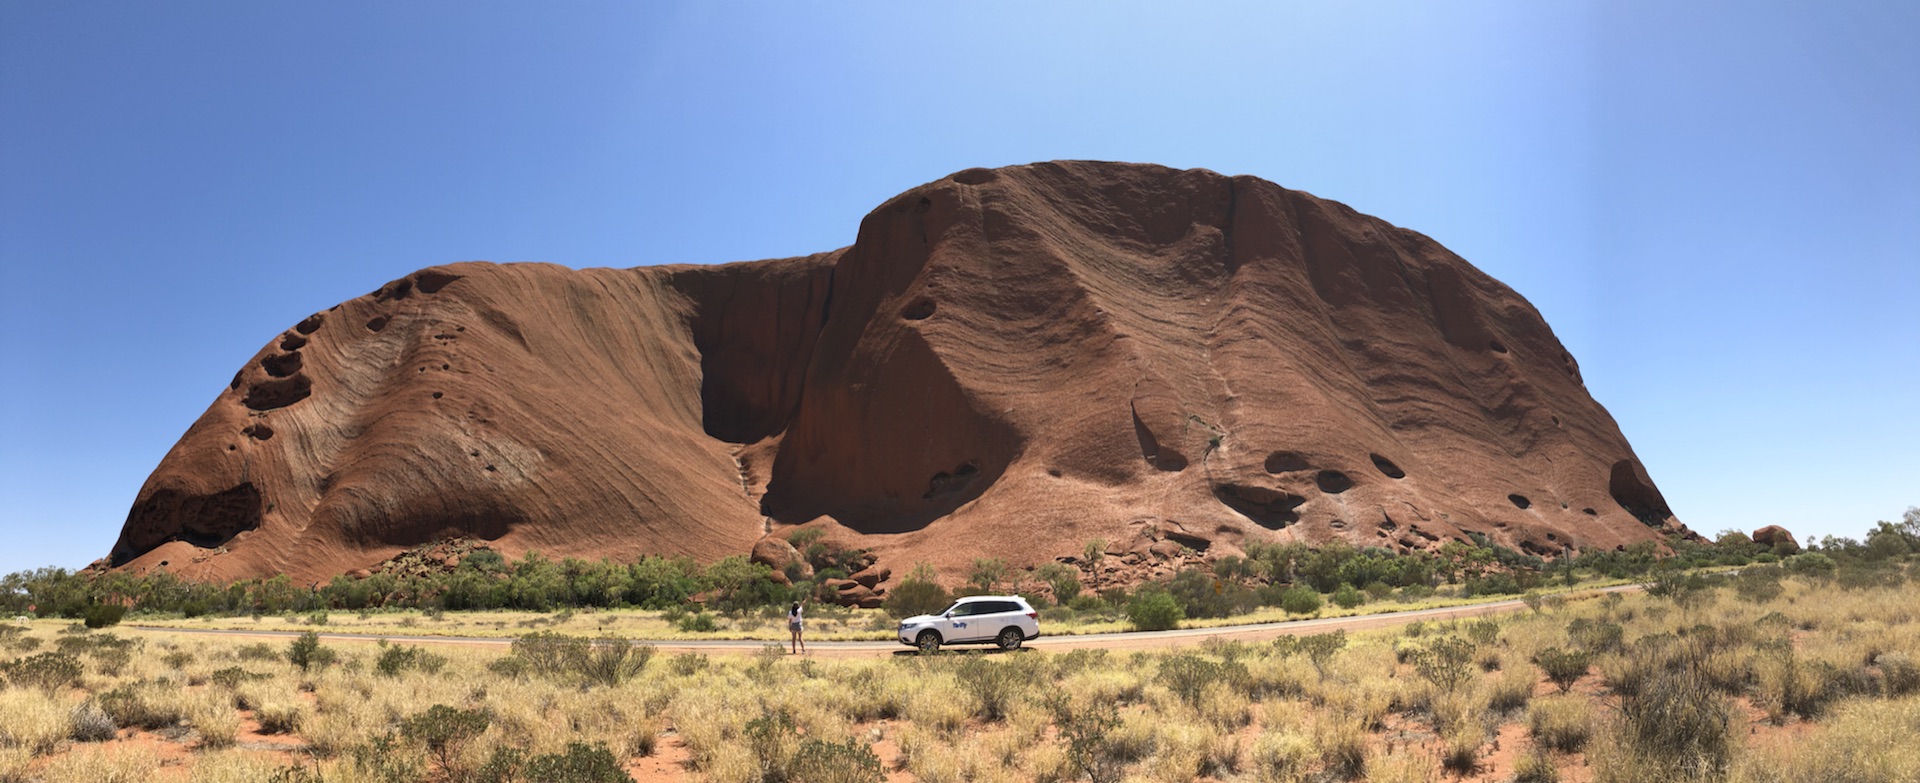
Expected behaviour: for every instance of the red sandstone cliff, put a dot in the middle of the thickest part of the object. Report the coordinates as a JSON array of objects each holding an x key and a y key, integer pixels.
[{"x": 1006, "y": 363}]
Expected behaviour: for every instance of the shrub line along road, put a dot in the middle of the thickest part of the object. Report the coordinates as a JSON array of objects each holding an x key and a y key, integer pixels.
[{"x": 1127, "y": 640}]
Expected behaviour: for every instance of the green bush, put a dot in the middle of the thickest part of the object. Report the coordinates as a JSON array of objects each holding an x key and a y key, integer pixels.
[
  {"x": 1563, "y": 667},
  {"x": 103, "y": 615},
  {"x": 1062, "y": 579},
  {"x": 916, "y": 594},
  {"x": 306, "y": 653},
  {"x": 445, "y": 731},
  {"x": 698, "y": 623},
  {"x": 396, "y": 659},
  {"x": 1300, "y": 600},
  {"x": 1347, "y": 597},
  {"x": 1154, "y": 610}
]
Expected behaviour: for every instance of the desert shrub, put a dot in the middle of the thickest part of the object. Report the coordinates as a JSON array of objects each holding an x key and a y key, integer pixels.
[
  {"x": 103, "y": 615},
  {"x": 1347, "y": 597},
  {"x": 1300, "y": 600},
  {"x": 1416, "y": 592},
  {"x": 1154, "y": 610},
  {"x": 1563, "y": 723},
  {"x": 259, "y": 651},
  {"x": 820, "y": 761},
  {"x": 1759, "y": 584},
  {"x": 1563, "y": 667},
  {"x": 1062, "y": 579},
  {"x": 773, "y": 740},
  {"x": 1318, "y": 648},
  {"x": 89, "y": 723},
  {"x": 132, "y": 706},
  {"x": 177, "y": 659},
  {"x": 386, "y": 760},
  {"x": 687, "y": 664},
  {"x": 549, "y": 654},
  {"x": 1089, "y": 734},
  {"x": 1446, "y": 662},
  {"x": 1188, "y": 676},
  {"x": 916, "y": 594},
  {"x": 995, "y": 686},
  {"x": 1596, "y": 636},
  {"x": 698, "y": 623},
  {"x": 579, "y": 763},
  {"x": 232, "y": 676},
  {"x": 48, "y": 671},
  {"x": 307, "y": 653},
  {"x": 1484, "y": 631},
  {"x": 397, "y": 659},
  {"x": 613, "y": 661},
  {"x": 445, "y": 731},
  {"x": 1676, "y": 728},
  {"x": 1379, "y": 591}
]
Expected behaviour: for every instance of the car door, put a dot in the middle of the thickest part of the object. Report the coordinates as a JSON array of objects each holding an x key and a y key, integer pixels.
[
  {"x": 963, "y": 623},
  {"x": 992, "y": 618}
]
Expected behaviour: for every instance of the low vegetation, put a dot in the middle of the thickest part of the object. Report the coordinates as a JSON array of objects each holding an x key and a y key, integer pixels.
[{"x": 1808, "y": 678}]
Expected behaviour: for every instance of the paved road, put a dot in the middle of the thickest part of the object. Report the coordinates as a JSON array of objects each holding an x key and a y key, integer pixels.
[{"x": 1122, "y": 641}]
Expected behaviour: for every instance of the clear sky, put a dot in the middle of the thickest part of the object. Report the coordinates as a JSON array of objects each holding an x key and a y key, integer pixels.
[{"x": 1715, "y": 206}]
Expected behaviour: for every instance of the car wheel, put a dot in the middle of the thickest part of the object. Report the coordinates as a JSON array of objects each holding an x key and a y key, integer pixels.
[
  {"x": 928, "y": 642},
  {"x": 1010, "y": 639}
]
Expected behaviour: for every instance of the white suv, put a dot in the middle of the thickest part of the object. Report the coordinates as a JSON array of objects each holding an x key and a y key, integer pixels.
[{"x": 1005, "y": 620}]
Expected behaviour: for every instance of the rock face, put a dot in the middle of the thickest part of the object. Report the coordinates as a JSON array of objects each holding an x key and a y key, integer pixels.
[{"x": 1006, "y": 363}]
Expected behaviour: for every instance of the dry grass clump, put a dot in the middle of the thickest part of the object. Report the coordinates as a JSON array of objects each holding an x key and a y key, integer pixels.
[
  {"x": 1561, "y": 723},
  {"x": 36, "y": 721},
  {"x": 92, "y": 764}
]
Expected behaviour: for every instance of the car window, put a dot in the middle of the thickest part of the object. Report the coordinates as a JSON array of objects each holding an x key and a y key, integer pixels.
[
  {"x": 1000, "y": 607},
  {"x": 966, "y": 610}
]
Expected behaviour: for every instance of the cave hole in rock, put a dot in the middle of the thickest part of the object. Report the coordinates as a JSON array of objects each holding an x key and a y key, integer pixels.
[
  {"x": 1269, "y": 508},
  {"x": 278, "y": 393},
  {"x": 292, "y": 342},
  {"x": 259, "y": 431},
  {"x": 1285, "y": 462},
  {"x": 1520, "y": 501},
  {"x": 311, "y": 325},
  {"x": 944, "y": 483},
  {"x": 446, "y": 366},
  {"x": 231, "y": 447},
  {"x": 378, "y": 323},
  {"x": 1556, "y": 421},
  {"x": 1054, "y": 472},
  {"x": 1332, "y": 482},
  {"x": 437, "y": 395},
  {"x": 1387, "y": 467},
  {"x": 1590, "y": 512},
  {"x": 924, "y": 205},
  {"x": 1497, "y": 346},
  {"x": 394, "y": 291},
  {"x": 919, "y": 309},
  {"x": 283, "y": 365},
  {"x": 432, "y": 282}
]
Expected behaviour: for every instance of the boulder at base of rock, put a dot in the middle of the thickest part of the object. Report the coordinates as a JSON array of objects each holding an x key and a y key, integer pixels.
[
  {"x": 1773, "y": 536},
  {"x": 777, "y": 553}
]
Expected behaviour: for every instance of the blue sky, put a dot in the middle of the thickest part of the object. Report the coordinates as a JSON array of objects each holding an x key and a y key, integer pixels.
[{"x": 1715, "y": 205}]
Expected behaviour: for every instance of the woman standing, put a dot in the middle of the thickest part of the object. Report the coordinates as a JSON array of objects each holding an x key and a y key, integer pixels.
[{"x": 795, "y": 623}]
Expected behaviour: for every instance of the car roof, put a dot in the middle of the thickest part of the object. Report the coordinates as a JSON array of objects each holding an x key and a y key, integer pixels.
[{"x": 972, "y": 598}]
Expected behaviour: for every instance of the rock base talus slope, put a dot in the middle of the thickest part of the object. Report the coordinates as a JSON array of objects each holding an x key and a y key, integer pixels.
[{"x": 1006, "y": 363}]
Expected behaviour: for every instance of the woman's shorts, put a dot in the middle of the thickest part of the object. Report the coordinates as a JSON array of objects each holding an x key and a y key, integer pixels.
[{"x": 794, "y": 627}]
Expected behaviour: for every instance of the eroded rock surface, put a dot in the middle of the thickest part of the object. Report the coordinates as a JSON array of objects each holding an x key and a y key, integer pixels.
[{"x": 1006, "y": 363}]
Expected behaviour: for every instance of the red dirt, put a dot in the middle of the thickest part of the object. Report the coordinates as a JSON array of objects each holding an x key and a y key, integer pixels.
[{"x": 1006, "y": 363}]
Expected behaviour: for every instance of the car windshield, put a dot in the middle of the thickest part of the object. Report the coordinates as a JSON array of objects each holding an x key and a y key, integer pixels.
[{"x": 961, "y": 609}]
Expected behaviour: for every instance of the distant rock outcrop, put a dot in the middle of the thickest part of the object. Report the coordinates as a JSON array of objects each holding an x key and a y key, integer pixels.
[
  {"x": 1007, "y": 363},
  {"x": 1774, "y": 536}
]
